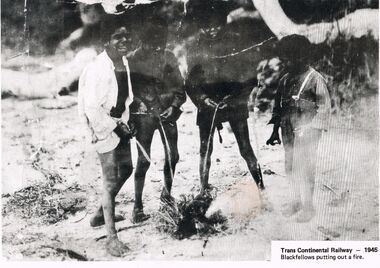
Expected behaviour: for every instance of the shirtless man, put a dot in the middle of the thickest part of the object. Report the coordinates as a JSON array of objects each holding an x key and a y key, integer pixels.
[
  {"x": 159, "y": 94},
  {"x": 301, "y": 109},
  {"x": 220, "y": 88},
  {"x": 104, "y": 98}
]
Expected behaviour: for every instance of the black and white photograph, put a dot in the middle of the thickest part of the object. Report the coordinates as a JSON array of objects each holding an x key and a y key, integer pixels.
[{"x": 188, "y": 130}]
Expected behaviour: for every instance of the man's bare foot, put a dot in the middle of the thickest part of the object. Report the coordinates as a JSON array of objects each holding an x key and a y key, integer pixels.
[
  {"x": 205, "y": 191},
  {"x": 203, "y": 194},
  {"x": 209, "y": 187},
  {"x": 115, "y": 247},
  {"x": 167, "y": 199},
  {"x": 258, "y": 178},
  {"x": 138, "y": 215},
  {"x": 306, "y": 214},
  {"x": 291, "y": 208},
  {"x": 97, "y": 220}
]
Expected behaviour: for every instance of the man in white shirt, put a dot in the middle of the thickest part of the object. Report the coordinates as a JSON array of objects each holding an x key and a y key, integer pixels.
[{"x": 105, "y": 93}]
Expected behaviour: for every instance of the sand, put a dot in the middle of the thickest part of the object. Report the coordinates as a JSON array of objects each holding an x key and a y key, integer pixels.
[{"x": 346, "y": 191}]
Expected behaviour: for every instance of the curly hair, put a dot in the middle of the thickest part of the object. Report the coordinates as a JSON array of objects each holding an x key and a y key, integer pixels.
[
  {"x": 295, "y": 47},
  {"x": 109, "y": 24}
]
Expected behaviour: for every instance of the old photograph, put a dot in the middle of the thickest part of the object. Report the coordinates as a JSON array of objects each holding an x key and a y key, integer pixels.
[{"x": 187, "y": 130}]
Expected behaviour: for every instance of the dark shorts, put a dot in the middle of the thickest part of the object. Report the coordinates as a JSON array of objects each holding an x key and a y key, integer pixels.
[
  {"x": 237, "y": 103},
  {"x": 204, "y": 116},
  {"x": 118, "y": 161}
]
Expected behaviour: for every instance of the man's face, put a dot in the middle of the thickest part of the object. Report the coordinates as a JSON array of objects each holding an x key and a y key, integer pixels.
[
  {"x": 286, "y": 61},
  {"x": 120, "y": 41},
  {"x": 155, "y": 39},
  {"x": 213, "y": 30},
  {"x": 291, "y": 63}
]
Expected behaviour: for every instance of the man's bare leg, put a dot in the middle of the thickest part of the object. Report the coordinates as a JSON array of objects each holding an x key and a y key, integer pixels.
[
  {"x": 111, "y": 184},
  {"x": 171, "y": 158},
  {"x": 291, "y": 208},
  {"x": 145, "y": 129},
  {"x": 309, "y": 146},
  {"x": 125, "y": 168},
  {"x": 113, "y": 245},
  {"x": 240, "y": 130},
  {"x": 98, "y": 218},
  {"x": 307, "y": 211},
  {"x": 294, "y": 205},
  {"x": 205, "y": 160},
  {"x": 141, "y": 169}
]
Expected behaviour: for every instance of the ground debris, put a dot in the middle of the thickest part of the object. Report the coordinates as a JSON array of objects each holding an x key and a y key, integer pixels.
[
  {"x": 22, "y": 238},
  {"x": 69, "y": 252},
  {"x": 329, "y": 233},
  {"x": 339, "y": 199},
  {"x": 61, "y": 102},
  {"x": 268, "y": 172},
  {"x": 51, "y": 201},
  {"x": 187, "y": 218},
  {"x": 121, "y": 229}
]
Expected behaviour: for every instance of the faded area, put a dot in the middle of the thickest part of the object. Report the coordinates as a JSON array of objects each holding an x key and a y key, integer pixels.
[
  {"x": 51, "y": 181},
  {"x": 39, "y": 143}
]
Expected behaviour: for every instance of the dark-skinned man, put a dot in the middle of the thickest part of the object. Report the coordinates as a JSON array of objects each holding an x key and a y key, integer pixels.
[
  {"x": 301, "y": 110},
  {"x": 159, "y": 94},
  {"x": 104, "y": 97},
  {"x": 219, "y": 83}
]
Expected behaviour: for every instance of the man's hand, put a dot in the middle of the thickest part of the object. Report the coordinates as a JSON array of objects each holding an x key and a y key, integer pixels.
[
  {"x": 222, "y": 105},
  {"x": 210, "y": 103},
  {"x": 167, "y": 113},
  {"x": 123, "y": 131},
  {"x": 299, "y": 131},
  {"x": 132, "y": 128},
  {"x": 274, "y": 139},
  {"x": 142, "y": 108}
]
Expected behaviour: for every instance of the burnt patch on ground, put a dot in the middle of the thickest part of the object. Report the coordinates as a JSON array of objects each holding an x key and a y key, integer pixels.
[{"x": 187, "y": 217}]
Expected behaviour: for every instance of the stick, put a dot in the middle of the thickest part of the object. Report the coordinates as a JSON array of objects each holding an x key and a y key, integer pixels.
[
  {"x": 145, "y": 154},
  {"x": 210, "y": 136},
  {"x": 167, "y": 148},
  {"x": 329, "y": 188},
  {"x": 71, "y": 253},
  {"x": 243, "y": 50},
  {"x": 121, "y": 229},
  {"x": 81, "y": 218}
]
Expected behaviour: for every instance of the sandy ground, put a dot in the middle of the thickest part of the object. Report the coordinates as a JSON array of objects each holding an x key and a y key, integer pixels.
[{"x": 346, "y": 192}]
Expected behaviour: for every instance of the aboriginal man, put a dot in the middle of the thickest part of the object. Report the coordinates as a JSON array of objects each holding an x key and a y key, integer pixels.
[
  {"x": 104, "y": 98},
  {"x": 301, "y": 110}
]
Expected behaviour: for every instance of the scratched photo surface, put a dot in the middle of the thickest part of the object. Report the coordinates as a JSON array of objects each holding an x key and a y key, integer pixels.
[{"x": 233, "y": 123}]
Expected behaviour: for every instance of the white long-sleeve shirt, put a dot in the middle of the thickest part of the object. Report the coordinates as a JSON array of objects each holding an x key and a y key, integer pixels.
[
  {"x": 97, "y": 94},
  {"x": 314, "y": 90}
]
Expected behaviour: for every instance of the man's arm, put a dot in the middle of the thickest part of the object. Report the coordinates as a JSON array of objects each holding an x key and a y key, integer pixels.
[
  {"x": 174, "y": 81},
  {"x": 193, "y": 88},
  {"x": 276, "y": 115},
  {"x": 196, "y": 94},
  {"x": 321, "y": 119},
  {"x": 275, "y": 120},
  {"x": 94, "y": 90}
]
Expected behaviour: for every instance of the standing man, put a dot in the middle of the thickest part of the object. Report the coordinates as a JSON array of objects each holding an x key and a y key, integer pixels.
[
  {"x": 301, "y": 109},
  {"x": 159, "y": 94},
  {"x": 105, "y": 93},
  {"x": 219, "y": 87}
]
